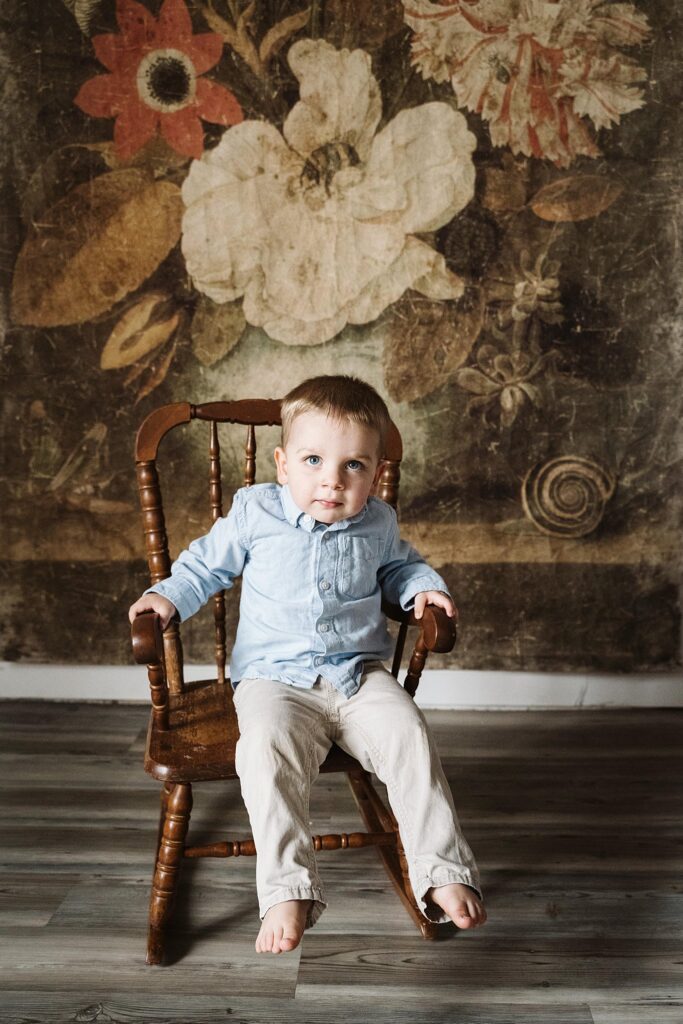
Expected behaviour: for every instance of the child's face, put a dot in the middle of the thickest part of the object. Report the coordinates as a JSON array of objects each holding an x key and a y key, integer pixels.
[{"x": 330, "y": 465}]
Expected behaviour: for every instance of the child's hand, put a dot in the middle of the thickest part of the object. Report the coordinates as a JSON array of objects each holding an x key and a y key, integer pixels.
[
  {"x": 437, "y": 597},
  {"x": 153, "y": 603}
]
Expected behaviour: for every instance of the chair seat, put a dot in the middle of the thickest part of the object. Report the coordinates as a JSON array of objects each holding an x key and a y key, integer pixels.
[{"x": 200, "y": 741}]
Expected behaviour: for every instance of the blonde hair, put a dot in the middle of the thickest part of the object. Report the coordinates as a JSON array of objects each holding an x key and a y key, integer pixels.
[{"x": 340, "y": 397}]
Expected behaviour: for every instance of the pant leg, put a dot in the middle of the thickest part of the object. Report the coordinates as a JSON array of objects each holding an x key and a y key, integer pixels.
[
  {"x": 282, "y": 744},
  {"x": 385, "y": 730}
]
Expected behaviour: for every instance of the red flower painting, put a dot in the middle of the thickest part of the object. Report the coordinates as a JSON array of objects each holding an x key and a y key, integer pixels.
[{"x": 154, "y": 82}]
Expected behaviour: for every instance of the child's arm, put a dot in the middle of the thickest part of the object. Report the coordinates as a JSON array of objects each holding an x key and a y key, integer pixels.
[
  {"x": 406, "y": 579},
  {"x": 208, "y": 565}
]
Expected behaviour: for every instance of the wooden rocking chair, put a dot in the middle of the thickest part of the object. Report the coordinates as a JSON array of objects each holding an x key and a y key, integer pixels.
[{"x": 193, "y": 726}]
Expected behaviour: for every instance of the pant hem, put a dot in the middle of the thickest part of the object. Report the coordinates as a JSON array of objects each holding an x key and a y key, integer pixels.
[
  {"x": 443, "y": 877},
  {"x": 298, "y": 893}
]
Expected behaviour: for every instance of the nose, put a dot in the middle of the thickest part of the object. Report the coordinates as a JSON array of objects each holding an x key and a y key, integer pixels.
[{"x": 333, "y": 479}]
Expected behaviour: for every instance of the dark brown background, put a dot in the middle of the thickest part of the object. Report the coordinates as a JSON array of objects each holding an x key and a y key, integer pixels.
[{"x": 72, "y": 542}]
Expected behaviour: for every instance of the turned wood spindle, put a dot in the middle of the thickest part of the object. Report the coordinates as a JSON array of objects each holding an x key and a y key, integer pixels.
[
  {"x": 387, "y": 486},
  {"x": 167, "y": 871},
  {"x": 415, "y": 667},
  {"x": 250, "y": 457},
  {"x": 159, "y": 562},
  {"x": 216, "y": 500}
]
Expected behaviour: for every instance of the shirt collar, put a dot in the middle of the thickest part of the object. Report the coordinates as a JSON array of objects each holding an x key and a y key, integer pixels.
[{"x": 296, "y": 517}]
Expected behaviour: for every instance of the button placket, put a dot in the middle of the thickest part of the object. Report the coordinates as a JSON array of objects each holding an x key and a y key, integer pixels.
[{"x": 325, "y": 586}]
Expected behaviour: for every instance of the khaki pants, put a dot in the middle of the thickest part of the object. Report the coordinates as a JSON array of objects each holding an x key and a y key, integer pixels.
[{"x": 285, "y": 735}]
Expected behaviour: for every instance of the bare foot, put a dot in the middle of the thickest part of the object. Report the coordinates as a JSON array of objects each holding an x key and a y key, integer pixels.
[
  {"x": 283, "y": 926},
  {"x": 461, "y": 903}
]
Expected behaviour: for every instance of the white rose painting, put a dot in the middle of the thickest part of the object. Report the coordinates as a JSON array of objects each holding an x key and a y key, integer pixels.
[{"x": 316, "y": 226}]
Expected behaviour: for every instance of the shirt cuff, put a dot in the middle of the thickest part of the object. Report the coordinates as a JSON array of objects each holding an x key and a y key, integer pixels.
[{"x": 184, "y": 606}]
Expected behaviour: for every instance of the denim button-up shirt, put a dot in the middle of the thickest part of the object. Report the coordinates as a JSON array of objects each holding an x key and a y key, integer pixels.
[{"x": 311, "y": 592}]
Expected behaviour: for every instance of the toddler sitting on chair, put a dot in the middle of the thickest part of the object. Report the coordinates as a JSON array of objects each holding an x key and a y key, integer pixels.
[{"x": 316, "y": 553}]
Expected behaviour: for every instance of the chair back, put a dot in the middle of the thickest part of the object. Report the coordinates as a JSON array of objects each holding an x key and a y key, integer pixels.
[{"x": 249, "y": 413}]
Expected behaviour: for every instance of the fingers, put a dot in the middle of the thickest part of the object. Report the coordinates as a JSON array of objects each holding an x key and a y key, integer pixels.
[
  {"x": 153, "y": 603},
  {"x": 435, "y": 597}
]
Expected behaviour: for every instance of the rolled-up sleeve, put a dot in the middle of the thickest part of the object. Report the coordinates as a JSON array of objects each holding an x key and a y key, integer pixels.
[
  {"x": 404, "y": 573},
  {"x": 208, "y": 565}
]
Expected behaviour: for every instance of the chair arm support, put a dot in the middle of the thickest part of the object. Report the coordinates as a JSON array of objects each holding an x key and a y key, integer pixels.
[
  {"x": 438, "y": 630},
  {"x": 147, "y": 639}
]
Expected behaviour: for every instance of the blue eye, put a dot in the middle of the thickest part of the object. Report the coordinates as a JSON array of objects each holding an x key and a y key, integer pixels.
[
  {"x": 354, "y": 464},
  {"x": 313, "y": 460}
]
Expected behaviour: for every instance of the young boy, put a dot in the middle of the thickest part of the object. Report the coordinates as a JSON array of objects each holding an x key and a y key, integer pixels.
[{"x": 316, "y": 553}]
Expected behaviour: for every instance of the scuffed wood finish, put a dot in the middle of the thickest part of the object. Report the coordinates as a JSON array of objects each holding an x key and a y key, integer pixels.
[{"x": 193, "y": 729}]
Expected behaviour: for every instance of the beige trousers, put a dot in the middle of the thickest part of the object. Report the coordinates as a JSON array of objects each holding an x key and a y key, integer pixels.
[{"x": 285, "y": 735}]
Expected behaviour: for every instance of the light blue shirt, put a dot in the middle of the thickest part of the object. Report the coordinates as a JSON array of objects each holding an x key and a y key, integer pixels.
[{"x": 311, "y": 593}]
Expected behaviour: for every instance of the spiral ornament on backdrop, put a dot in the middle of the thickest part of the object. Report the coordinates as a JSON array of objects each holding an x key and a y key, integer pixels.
[{"x": 566, "y": 496}]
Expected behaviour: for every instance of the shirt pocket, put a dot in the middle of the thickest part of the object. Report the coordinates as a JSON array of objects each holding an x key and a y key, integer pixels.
[{"x": 359, "y": 564}]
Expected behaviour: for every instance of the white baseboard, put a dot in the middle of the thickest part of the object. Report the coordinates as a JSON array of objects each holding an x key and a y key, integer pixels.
[{"x": 440, "y": 688}]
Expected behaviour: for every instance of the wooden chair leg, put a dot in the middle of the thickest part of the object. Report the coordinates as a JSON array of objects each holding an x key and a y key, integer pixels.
[
  {"x": 166, "y": 791},
  {"x": 379, "y": 818},
  {"x": 167, "y": 870}
]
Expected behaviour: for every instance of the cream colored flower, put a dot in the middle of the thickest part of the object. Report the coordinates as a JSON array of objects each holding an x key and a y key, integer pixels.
[
  {"x": 316, "y": 226},
  {"x": 534, "y": 69}
]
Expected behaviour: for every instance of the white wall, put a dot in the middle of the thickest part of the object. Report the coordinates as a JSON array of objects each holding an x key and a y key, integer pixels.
[{"x": 438, "y": 689}]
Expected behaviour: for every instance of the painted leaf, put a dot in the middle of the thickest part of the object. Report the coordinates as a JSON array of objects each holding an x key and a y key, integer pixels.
[
  {"x": 146, "y": 325},
  {"x": 157, "y": 372},
  {"x": 94, "y": 247},
  {"x": 216, "y": 328},
  {"x": 426, "y": 342},
  {"x": 575, "y": 198},
  {"x": 280, "y": 33}
]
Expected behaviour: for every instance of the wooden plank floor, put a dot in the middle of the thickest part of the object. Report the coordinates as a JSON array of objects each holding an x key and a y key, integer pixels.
[{"x": 576, "y": 818}]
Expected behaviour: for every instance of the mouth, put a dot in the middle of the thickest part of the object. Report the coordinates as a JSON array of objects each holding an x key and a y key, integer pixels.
[{"x": 328, "y": 504}]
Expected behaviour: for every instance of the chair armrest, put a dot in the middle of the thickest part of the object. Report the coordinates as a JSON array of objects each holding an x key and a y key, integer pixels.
[
  {"x": 147, "y": 639},
  {"x": 438, "y": 629}
]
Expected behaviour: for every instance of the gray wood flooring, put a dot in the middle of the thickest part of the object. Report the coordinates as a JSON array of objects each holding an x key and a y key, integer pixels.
[{"x": 576, "y": 818}]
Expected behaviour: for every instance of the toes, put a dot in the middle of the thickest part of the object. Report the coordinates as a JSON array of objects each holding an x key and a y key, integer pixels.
[
  {"x": 265, "y": 942},
  {"x": 477, "y": 912}
]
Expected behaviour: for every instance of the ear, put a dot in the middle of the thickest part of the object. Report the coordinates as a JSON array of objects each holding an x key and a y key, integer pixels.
[{"x": 280, "y": 464}]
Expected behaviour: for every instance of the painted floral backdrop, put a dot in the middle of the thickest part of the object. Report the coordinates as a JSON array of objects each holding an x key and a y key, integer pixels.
[{"x": 473, "y": 204}]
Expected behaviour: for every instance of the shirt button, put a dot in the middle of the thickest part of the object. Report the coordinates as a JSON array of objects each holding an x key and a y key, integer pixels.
[
  {"x": 308, "y": 519},
  {"x": 325, "y": 585},
  {"x": 318, "y": 661},
  {"x": 323, "y": 627}
]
